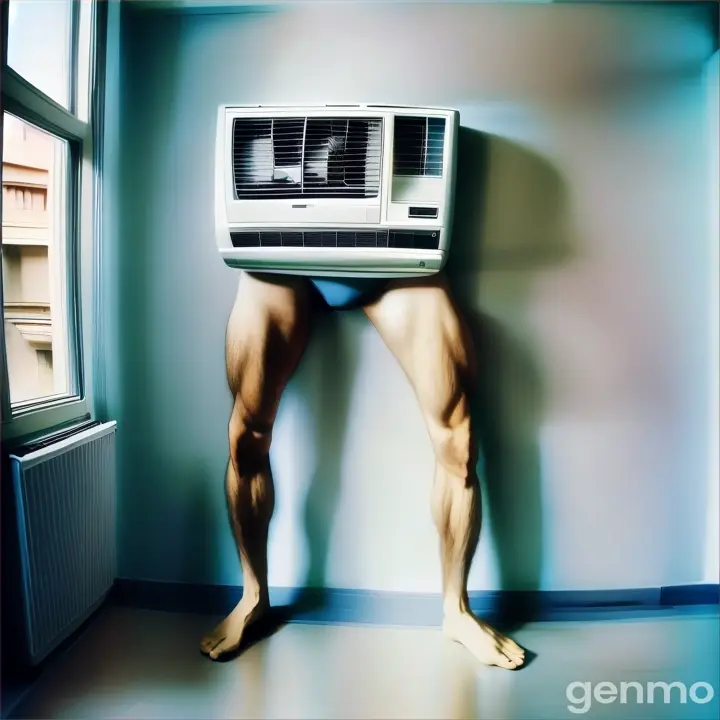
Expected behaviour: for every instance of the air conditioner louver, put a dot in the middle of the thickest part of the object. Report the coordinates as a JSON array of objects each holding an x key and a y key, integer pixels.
[
  {"x": 407, "y": 239},
  {"x": 311, "y": 157},
  {"x": 419, "y": 144}
]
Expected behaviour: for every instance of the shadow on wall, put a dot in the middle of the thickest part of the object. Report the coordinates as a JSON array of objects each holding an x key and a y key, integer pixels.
[
  {"x": 329, "y": 407},
  {"x": 509, "y": 217},
  {"x": 197, "y": 519}
]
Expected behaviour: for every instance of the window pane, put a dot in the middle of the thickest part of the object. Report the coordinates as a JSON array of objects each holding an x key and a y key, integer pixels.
[
  {"x": 84, "y": 60},
  {"x": 39, "y": 44},
  {"x": 34, "y": 186}
]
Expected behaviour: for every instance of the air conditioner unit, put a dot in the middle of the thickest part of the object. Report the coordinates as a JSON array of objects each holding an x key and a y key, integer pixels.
[{"x": 335, "y": 190}]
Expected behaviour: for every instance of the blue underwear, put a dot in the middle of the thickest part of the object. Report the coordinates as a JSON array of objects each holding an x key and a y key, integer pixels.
[{"x": 349, "y": 293}]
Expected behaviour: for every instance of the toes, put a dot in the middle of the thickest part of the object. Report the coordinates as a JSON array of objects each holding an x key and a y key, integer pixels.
[
  {"x": 511, "y": 648},
  {"x": 504, "y": 661},
  {"x": 519, "y": 660},
  {"x": 502, "y": 642},
  {"x": 512, "y": 645},
  {"x": 507, "y": 656},
  {"x": 209, "y": 642},
  {"x": 225, "y": 647}
]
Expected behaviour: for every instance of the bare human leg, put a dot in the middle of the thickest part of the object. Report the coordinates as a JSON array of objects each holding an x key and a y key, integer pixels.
[
  {"x": 267, "y": 332},
  {"x": 420, "y": 324}
]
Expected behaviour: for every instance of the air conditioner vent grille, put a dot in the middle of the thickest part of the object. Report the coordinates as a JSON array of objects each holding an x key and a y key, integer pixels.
[
  {"x": 407, "y": 239},
  {"x": 419, "y": 144},
  {"x": 310, "y": 157}
]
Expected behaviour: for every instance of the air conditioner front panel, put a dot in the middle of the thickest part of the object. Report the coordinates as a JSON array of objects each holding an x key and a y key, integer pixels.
[
  {"x": 305, "y": 212},
  {"x": 306, "y": 157},
  {"x": 311, "y": 168},
  {"x": 352, "y": 170}
]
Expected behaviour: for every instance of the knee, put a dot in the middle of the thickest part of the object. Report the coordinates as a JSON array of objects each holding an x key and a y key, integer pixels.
[
  {"x": 250, "y": 439},
  {"x": 455, "y": 449}
]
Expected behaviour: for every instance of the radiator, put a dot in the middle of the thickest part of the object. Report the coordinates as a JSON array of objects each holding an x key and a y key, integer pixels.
[{"x": 65, "y": 501}]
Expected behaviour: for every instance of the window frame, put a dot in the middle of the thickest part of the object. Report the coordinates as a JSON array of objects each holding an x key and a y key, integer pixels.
[{"x": 81, "y": 205}]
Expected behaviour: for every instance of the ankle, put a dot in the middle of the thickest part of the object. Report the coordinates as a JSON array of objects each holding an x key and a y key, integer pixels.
[
  {"x": 254, "y": 597},
  {"x": 455, "y": 607}
]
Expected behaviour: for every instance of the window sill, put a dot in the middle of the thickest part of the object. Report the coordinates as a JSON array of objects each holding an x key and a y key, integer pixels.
[{"x": 43, "y": 418}]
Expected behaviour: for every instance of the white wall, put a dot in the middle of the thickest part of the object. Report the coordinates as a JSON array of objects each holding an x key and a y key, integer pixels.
[{"x": 581, "y": 255}]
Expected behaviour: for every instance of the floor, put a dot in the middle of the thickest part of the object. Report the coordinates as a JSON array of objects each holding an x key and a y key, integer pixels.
[{"x": 144, "y": 664}]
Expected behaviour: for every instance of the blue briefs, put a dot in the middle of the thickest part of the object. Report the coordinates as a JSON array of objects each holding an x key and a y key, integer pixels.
[{"x": 349, "y": 293}]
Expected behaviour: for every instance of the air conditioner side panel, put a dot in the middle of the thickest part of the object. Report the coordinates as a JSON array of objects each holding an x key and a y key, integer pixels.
[
  {"x": 222, "y": 166},
  {"x": 451, "y": 151}
]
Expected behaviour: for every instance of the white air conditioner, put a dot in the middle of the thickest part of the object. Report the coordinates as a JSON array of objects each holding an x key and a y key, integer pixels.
[{"x": 335, "y": 190}]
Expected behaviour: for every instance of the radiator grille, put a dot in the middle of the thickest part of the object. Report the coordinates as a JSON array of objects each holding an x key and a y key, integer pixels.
[
  {"x": 66, "y": 518},
  {"x": 419, "y": 143},
  {"x": 306, "y": 157},
  {"x": 407, "y": 239}
]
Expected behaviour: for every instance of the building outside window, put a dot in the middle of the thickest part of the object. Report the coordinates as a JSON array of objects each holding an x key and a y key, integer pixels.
[{"x": 33, "y": 302}]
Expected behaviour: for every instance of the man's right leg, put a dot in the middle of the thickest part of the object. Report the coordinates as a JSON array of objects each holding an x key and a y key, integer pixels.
[{"x": 266, "y": 335}]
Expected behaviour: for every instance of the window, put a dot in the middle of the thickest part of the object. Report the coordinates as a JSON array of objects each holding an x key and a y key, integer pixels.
[
  {"x": 39, "y": 42},
  {"x": 48, "y": 168}
]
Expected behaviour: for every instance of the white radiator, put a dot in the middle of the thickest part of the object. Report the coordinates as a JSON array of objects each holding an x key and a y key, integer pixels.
[{"x": 65, "y": 498}]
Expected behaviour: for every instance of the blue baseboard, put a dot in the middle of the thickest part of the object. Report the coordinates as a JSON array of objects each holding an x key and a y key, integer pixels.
[
  {"x": 317, "y": 605},
  {"x": 677, "y": 595}
]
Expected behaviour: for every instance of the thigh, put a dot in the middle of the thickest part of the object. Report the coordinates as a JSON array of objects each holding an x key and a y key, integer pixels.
[
  {"x": 422, "y": 326},
  {"x": 267, "y": 332}
]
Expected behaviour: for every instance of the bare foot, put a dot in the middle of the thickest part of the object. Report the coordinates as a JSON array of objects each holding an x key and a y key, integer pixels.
[
  {"x": 485, "y": 643},
  {"x": 227, "y": 636}
]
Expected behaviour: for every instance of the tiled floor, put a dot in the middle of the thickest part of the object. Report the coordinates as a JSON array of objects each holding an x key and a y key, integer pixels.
[{"x": 143, "y": 664}]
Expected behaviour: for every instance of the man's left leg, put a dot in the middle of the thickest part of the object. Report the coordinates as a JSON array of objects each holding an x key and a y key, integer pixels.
[{"x": 420, "y": 324}]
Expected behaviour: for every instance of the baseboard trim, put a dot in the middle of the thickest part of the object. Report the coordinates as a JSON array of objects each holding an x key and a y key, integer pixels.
[
  {"x": 702, "y": 594},
  {"x": 315, "y": 605}
]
